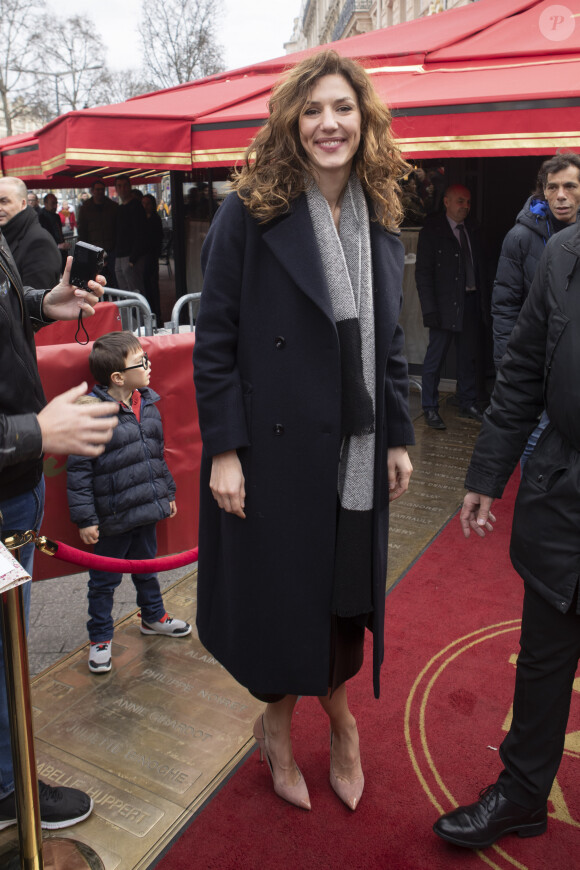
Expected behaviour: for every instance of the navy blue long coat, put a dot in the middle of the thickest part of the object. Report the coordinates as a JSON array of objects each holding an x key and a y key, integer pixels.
[{"x": 268, "y": 383}]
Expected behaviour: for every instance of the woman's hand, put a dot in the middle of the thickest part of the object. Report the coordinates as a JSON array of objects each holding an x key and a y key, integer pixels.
[
  {"x": 65, "y": 301},
  {"x": 400, "y": 470},
  {"x": 227, "y": 483}
]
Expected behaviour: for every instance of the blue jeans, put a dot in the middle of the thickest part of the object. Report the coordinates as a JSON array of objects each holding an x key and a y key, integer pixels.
[
  {"x": 139, "y": 543},
  {"x": 20, "y": 513},
  {"x": 533, "y": 439}
]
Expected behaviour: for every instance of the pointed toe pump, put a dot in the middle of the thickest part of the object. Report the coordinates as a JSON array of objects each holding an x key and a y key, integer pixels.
[
  {"x": 295, "y": 794},
  {"x": 350, "y": 792}
]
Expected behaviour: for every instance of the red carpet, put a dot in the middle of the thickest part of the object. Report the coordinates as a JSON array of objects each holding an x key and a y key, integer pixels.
[{"x": 452, "y": 630}]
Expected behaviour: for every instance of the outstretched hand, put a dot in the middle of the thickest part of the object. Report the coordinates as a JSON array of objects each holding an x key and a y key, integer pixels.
[
  {"x": 65, "y": 301},
  {"x": 476, "y": 514},
  {"x": 70, "y": 428}
]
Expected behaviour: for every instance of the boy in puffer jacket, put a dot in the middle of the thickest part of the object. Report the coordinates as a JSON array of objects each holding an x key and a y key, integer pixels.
[{"x": 117, "y": 498}]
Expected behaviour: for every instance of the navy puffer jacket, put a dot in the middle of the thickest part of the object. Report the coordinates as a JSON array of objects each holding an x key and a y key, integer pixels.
[
  {"x": 128, "y": 485},
  {"x": 521, "y": 251}
]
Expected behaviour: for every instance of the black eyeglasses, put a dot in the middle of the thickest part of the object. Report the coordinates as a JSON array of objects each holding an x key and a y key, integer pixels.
[{"x": 140, "y": 365}]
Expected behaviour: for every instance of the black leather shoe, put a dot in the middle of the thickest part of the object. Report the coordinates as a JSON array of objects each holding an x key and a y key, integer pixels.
[
  {"x": 491, "y": 817},
  {"x": 433, "y": 419},
  {"x": 471, "y": 412}
]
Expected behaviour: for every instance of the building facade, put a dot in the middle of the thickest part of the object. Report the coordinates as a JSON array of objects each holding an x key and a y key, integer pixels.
[{"x": 323, "y": 21}]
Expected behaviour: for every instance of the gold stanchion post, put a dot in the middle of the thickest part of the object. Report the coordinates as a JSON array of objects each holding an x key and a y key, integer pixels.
[
  {"x": 21, "y": 735},
  {"x": 61, "y": 854}
]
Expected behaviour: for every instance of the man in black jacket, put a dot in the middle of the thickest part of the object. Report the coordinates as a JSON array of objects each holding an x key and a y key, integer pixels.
[
  {"x": 97, "y": 225},
  {"x": 50, "y": 220},
  {"x": 35, "y": 252},
  {"x": 130, "y": 248},
  {"x": 28, "y": 428},
  {"x": 450, "y": 283},
  {"x": 553, "y": 207},
  {"x": 32, "y": 200},
  {"x": 541, "y": 364}
]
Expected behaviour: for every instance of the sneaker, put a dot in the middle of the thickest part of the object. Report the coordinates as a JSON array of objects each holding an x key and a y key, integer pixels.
[
  {"x": 59, "y": 807},
  {"x": 100, "y": 657},
  {"x": 166, "y": 625}
]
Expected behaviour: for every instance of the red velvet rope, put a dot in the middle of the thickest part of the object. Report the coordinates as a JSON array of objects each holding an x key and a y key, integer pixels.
[{"x": 129, "y": 566}]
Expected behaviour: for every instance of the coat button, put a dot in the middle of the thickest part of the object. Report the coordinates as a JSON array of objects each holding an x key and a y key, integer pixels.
[
  {"x": 540, "y": 478},
  {"x": 278, "y": 429},
  {"x": 279, "y": 342}
]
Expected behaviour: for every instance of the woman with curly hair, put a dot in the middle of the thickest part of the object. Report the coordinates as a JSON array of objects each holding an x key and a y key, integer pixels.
[{"x": 302, "y": 395}]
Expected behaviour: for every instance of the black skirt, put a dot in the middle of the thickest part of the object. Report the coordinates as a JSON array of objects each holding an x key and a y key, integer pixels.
[{"x": 347, "y": 639}]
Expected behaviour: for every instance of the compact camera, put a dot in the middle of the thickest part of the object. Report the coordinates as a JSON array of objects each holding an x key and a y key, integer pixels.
[{"x": 88, "y": 262}]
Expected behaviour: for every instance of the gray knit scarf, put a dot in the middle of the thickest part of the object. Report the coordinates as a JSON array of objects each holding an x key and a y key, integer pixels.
[{"x": 347, "y": 264}]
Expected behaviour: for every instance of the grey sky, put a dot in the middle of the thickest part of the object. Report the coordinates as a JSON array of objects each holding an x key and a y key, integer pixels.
[{"x": 250, "y": 30}]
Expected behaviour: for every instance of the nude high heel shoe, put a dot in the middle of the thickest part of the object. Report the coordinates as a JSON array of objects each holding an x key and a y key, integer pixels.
[
  {"x": 349, "y": 792},
  {"x": 294, "y": 794}
]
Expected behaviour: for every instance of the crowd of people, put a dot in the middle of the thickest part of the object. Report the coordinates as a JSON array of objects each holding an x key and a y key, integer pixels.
[
  {"x": 301, "y": 385},
  {"x": 129, "y": 227}
]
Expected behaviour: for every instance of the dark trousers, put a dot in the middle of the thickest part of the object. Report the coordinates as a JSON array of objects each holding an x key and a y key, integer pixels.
[
  {"x": 465, "y": 347},
  {"x": 532, "y": 750},
  {"x": 139, "y": 543}
]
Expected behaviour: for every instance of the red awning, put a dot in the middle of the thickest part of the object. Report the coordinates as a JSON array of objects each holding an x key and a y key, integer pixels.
[
  {"x": 489, "y": 108},
  {"x": 20, "y": 155},
  {"x": 150, "y": 132},
  {"x": 494, "y": 77}
]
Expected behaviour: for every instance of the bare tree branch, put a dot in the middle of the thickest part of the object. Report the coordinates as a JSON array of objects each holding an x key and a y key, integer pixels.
[
  {"x": 179, "y": 40},
  {"x": 73, "y": 66},
  {"x": 19, "y": 28},
  {"x": 120, "y": 85}
]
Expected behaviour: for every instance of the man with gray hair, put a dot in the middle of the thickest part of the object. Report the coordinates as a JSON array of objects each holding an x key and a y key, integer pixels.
[{"x": 34, "y": 250}]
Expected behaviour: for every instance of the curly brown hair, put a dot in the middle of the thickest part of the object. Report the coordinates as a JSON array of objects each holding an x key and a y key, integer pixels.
[{"x": 276, "y": 169}]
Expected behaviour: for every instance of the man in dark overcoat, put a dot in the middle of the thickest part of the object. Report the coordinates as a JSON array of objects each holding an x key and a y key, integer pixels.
[
  {"x": 267, "y": 373},
  {"x": 34, "y": 250},
  {"x": 541, "y": 363},
  {"x": 97, "y": 225},
  {"x": 451, "y": 286}
]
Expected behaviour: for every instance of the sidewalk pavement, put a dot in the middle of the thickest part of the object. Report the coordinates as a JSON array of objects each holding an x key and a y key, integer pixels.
[{"x": 58, "y": 614}]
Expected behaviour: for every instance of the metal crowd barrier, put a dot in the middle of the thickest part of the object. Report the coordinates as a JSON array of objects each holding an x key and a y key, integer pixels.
[
  {"x": 191, "y": 301},
  {"x": 136, "y": 315}
]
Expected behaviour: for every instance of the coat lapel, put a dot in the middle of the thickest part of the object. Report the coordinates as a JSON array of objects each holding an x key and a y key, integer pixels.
[{"x": 292, "y": 241}]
